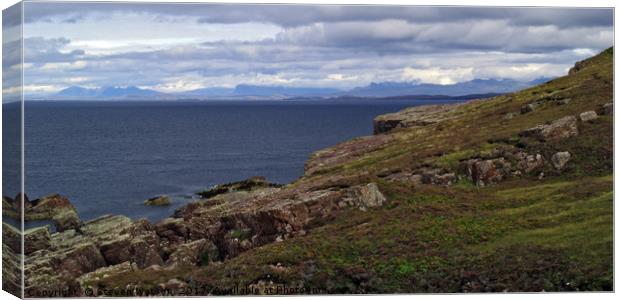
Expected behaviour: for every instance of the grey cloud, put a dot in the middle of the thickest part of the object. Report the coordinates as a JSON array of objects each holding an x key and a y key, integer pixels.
[
  {"x": 11, "y": 54},
  {"x": 565, "y": 17},
  {"x": 368, "y": 43},
  {"x": 311, "y": 65},
  {"x": 291, "y": 16},
  {"x": 298, "y": 15},
  {"x": 44, "y": 50},
  {"x": 488, "y": 35}
]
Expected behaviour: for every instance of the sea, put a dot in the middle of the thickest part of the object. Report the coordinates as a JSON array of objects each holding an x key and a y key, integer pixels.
[{"x": 107, "y": 157}]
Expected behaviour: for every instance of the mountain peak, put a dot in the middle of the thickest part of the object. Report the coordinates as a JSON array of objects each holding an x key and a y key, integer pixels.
[{"x": 105, "y": 92}]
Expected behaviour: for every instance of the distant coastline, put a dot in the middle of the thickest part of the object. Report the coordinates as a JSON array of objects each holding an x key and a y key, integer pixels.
[
  {"x": 244, "y": 98},
  {"x": 477, "y": 88}
]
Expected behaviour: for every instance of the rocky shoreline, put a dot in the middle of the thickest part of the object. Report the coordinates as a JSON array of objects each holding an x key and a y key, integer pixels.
[
  {"x": 234, "y": 218},
  {"x": 237, "y": 217},
  {"x": 208, "y": 231}
]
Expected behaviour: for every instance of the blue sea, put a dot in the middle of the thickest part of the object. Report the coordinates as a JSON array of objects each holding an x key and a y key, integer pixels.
[{"x": 108, "y": 157}]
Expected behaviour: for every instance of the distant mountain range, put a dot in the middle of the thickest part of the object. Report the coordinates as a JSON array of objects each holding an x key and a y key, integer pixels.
[
  {"x": 476, "y": 86},
  {"x": 106, "y": 92},
  {"x": 246, "y": 91}
]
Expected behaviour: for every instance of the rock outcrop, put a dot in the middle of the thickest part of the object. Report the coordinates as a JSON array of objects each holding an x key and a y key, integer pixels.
[
  {"x": 11, "y": 259},
  {"x": 247, "y": 215},
  {"x": 11, "y": 271},
  {"x": 485, "y": 172},
  {"x": 365, "y": 196},
  {"x": 528, "y": 163},
  {"x": 11, "y": 237},
  {"x": 56, "y": 260},
  {"x": 437, "y": 177},
  {"x": 556, "y": 98},
  {"x": 491, "y": 168},
  {"x": 65, "y": 220},
  {"x": 250, "y": 184},
  {"x": 559, "y": 129},
  {"x": 157, "y": 201},
  {"x": 501, "y": 165},
  {"x": 560, "y": 159},
  {"x": 199, "y": 252},
  {"x": 588, "y": 116},
  {"x": 325, "y": 159},
  {"x": 36, "y": 239},
  {"x": 412, "y": 117},
  {"x": 12, "y": 207},
  {"x": 44, "y": 208}
]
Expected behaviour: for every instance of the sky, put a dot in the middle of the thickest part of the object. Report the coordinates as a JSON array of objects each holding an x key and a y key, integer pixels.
[{"x": 182, "y": 47}]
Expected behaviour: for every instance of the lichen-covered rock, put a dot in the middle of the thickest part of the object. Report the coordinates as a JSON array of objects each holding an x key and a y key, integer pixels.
[
  {"x": 11, "y": 262},
  {"x": 45, "y": 208},
  {"x": 172, "y": 229},
  {"x": 37, "y": 238},
  {"x": 560, "y": 159},
  {"x": 239, "y": 221},
  {"x": 437, "y": 177},
  {"x": 95, "y": 244},
  {"x": 559, "y": 129},
  {"x": 105, "y": 241},
  {"x": 528, "y": 163},
  {"x": 81, "y": 259},
  {"x": 45, "y": 272},
  {"x": 485, "y": 172},
  {"x": 117, "y": 251},
  {"x": 368, "y": 196},
  {"x": 588, "y": 116},
  {"x": 11, "y": 271},
  {"x": 135, "y": 244},
  {"x": 157, "y": 201},
  {"x": 11, "y": 237},
  {"x": 99, "y": 230},
  {"x": 65, "y": 220}
]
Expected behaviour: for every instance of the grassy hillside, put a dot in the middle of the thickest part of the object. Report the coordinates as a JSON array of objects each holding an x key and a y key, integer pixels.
[{"x": 548, "y": 230}]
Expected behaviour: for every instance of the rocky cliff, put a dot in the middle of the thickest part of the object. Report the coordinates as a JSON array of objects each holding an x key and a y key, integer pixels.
[{"x": 511, "y": 193}]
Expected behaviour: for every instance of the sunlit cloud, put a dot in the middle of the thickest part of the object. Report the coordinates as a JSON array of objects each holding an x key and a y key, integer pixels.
[{"x": 176, "y": 48}]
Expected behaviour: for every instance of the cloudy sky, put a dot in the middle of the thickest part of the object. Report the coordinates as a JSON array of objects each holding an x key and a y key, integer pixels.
[{"x": 180, "y": 47}]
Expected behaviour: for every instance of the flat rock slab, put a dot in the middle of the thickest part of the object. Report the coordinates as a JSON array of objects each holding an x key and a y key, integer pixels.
[{"x": 415, "y": 116}]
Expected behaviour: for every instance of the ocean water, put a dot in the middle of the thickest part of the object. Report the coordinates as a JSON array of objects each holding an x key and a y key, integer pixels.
[{"x": 108, "y": 157}]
